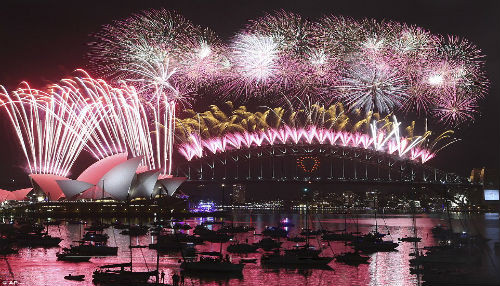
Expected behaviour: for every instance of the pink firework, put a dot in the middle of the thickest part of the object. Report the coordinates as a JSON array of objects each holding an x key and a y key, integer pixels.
[
  {"x": 205, "y": 61},
  {"x": 52, "y": 125},
  {"x": 271, "y": 56},
  {"x": 149, "y": 36},
  {"x": 156, "y": 50},
  {"x": 415, "y": 40},
  {"x": 293, "y": 34},
  {"x": 379, "y": 140},
  {"x": 340, "y": 35},
  {"x": 366, "y": 64},
  {"x": 468, "y": 63},
  {"x": 461, "y": 50},
  {"x": 455, "y": 108},
  {"x": 420, "y": 100},
  {"x": 322, "y": 74}
]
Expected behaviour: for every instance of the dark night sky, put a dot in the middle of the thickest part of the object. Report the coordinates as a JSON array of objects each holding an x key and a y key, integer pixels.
[{"x": 43, "y": 41}]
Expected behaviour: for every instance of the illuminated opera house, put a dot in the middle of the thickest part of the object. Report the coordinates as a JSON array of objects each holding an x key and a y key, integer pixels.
[{"x": 116, "y": 177}]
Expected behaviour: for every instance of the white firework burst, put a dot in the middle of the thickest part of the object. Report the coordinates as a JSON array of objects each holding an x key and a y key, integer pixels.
[
  {"x": 373, "y": 87},
  {"x": 255, "y": 57}
]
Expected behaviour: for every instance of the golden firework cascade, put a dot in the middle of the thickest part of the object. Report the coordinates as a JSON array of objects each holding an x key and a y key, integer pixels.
[{"x": 224, "y": 120}]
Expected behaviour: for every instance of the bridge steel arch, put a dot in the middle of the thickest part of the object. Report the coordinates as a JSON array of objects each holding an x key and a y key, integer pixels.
[{"x": 335, "y": 163}]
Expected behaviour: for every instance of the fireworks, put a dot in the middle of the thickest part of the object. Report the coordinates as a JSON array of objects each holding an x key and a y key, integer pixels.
[
  {"x": 376, "y": 87},
  {"x": 255, "y": 57},
  {"x": 158, "y": 51},
  {"x": 293, "y": 34},
  {"x": 166, "y": 58},
  {"x": 82, "y": 113},
  {"x": 380, "y": 66},
  {"x": 391, "y": 144},
  {"x": 275, "y": 56},
  {"x": 215, "y": 131},
  {"x": 52, "y": 127},
  {"x": 456, "y": 109},
  {"x": 157, "y": 61}
]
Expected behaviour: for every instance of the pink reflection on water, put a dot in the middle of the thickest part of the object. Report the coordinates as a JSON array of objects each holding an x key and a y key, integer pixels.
[{"x": 39, "y": 266}]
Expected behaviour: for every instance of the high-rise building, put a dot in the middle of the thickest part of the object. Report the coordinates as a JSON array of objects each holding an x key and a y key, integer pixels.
[
  {"x": 371, "y": 198},
  {"x": 477, "y": 175},
  {"x": 238, "y": 194}
]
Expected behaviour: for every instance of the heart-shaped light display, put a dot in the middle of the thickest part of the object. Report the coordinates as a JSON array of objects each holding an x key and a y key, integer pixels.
[{"x": 308, "y": 164}]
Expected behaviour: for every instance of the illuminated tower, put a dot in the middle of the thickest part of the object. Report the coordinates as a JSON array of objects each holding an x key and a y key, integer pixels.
[{"x": 238, "y": 194}]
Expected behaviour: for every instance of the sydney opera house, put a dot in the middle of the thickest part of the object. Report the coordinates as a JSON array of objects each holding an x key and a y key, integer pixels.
[{"x": 117, "y": 177}]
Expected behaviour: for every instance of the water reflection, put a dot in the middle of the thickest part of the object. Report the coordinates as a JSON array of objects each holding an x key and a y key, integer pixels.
[{"x": 38, "y": 266}]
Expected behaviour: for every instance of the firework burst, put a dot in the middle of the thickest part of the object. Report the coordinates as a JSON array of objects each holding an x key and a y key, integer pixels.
[
  {"x": 372, "y": 86},
  {"x": 255, "y": 58},
  {"x": 153, "y": 47},
  {"x": 276, "y": 55},
  {"x": 293, "y": 34},
  {"x": 455, "y": 109}
]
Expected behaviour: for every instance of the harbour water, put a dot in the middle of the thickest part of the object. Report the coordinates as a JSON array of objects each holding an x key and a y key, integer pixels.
[{"x": 38, "y": 266}]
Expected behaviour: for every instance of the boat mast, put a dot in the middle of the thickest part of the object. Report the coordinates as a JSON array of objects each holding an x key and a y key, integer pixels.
[
  {"x": 414, "y": 219},
  {"x": 220, "y": 249},
  {"x": 357, "y": 224},
  {"x": 129, "y": 234},
  {"x": 157, "y": 262},
  {"x": 375, "y": 207},
  {"x": 307, "y": 219},
  {"x": 345, "y": 223},
  {"x": 448, "y": 212}
]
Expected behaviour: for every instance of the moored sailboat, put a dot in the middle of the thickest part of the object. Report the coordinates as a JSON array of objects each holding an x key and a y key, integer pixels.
[
  {"x": 352, "y": 258},
  {"x": 109, "y": 274},
  {"x": 211, "y": 262}
]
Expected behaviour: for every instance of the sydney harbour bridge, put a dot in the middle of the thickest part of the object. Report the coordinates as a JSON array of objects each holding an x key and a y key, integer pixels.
[{"x": 318, "y": 163}]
